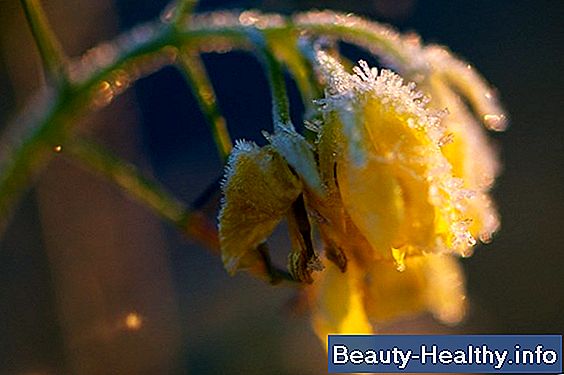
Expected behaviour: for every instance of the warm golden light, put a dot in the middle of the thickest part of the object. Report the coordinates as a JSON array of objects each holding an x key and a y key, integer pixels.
[{"x": 133, "y": 321}]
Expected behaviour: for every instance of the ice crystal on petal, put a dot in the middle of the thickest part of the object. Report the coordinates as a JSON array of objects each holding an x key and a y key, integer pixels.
[
  {"x": 387, "y": 86},
  {"x": 355, "y": 97}
]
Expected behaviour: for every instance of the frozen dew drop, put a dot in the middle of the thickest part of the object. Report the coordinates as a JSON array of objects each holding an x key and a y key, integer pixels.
[
  {"x": 120, "y": 81},
  {"x": 168, "y": 13},
  {"x": 495, "y": 121},
  {"x": 103, "y": 95},
  {"x": 248, "y": 18},
  {"x": 486, "y": 237}
]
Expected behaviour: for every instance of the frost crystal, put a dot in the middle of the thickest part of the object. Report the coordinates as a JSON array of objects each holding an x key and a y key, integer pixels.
[
  {"x": 356, "y": 96},
  {"x": 407, "y": 55},
  {"x": 387, "y": 86}
]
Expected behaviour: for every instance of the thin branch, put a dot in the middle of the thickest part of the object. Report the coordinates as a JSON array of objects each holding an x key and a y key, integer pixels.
[
  {"x": 195, "y": 74},
  {"x": 275, "y": 274},
  {"x": 52, "y": 55},
  {"x": 161, "y": 202},
  {"x": 286, "y": 48},
  {"x": 295, "y": 149},
  {"x": 145, "y": 190},
  {"x": 183, "y": 11},
  {"x": 27, "y": 143},
  {"x": 275, "y": 75}
]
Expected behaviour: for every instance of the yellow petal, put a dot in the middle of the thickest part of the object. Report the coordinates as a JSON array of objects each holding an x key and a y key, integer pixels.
[
  {"x": 433, "y": 283},
  {"x": 259, "y": 189},
  {"x": 338, "y": 306},
  {"x": 391, "y": 294},
  {"x": 372, "y": 197},
  {"x": 445, "y": 292},
  {"x": 395, "y": 183},
  {"x": 406, "y": 149},
  {"x": 473, "y": 159},
  {"x": 341, "y": 237}
]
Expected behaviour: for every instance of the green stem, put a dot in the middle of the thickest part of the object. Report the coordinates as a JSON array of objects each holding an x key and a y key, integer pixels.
[
  {"x": 275, "y": 274},
  {"x": 27, "y": 144},
  {"x": 286, "y": 49},
  {"x": 159, "y": 200},
  {"x": 52, "y": 55},
  {"x": 378, "y": 39},
  {"x": 275, "y": 75},
  {"x": 144, "y": 190},
  {"x": 183, "y": 11},
  {"x": 195, "y": 74}
]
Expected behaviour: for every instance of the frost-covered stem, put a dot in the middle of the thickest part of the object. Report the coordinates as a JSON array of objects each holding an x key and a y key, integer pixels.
[
  {"x": 195, "y": 74},
  {"x": 159, "y": 200},
  {"x": 307, "y": 83},
  {"x": 144, "y": 190},
  {"x": 52, "y": 55},
  {"x": 27, "y": 143},
  {"x": 275, "y": 75},
  {"x": 183, "y": 11}
]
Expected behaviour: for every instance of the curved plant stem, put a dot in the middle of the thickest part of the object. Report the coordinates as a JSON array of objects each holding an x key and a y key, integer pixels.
[
  {"x": 28, "y": 143},
  {"x": 195, "y": 73},
  {"x": 183, "y": 10},
  {"x": 286, "y": 49},
  {"x": 159, "y": 200},
  {"x": 275, "y": 75},
  {"x": 145, "y": 190},
  {"x": 52, "y": 55}
]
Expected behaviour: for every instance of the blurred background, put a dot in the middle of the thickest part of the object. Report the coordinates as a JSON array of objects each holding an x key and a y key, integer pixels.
[{"x": 91, "y": 283}]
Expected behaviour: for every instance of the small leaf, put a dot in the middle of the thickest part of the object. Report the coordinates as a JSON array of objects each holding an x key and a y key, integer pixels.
[
  {"x": 52, "y": 55},
  {"x": 433, "y": 282}
]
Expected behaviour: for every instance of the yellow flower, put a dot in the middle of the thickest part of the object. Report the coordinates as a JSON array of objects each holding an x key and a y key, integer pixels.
[
  {"x": 385, "y": 155},
  {"x": 392, "y": 184},
  {"x": 349, "y": 302},
  {"x": 391, "y": 194}
]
